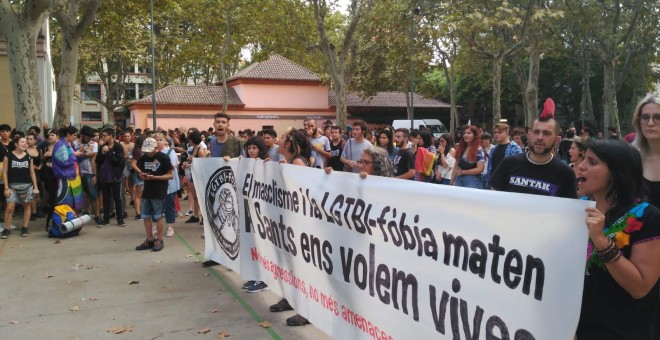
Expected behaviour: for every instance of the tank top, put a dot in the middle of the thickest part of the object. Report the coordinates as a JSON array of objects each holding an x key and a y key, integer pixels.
[
  {"x": 654, "y": 192},
  {"x": 19, "y": 169}
]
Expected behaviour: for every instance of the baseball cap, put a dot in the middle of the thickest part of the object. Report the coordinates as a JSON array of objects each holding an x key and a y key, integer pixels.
[{"x": 149, "y": 145}]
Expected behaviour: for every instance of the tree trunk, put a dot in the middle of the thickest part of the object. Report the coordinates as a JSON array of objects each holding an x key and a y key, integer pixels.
[
  {"x": 522, "y": 79},
  {"x": 532, "y": 91},
  {"x": 22, "y": 53},
  {"x": 73, "y": 26},
  {"x": 340, "y": 110},
  {"x": 586, "y": 104},
  {"x": 497, "y": 90},
  {"x": 610, "y": 114},
  {"x": 453, "y": 119}
]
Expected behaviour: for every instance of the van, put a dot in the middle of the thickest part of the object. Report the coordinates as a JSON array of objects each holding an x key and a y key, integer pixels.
[{"x": 436, "y": 126}]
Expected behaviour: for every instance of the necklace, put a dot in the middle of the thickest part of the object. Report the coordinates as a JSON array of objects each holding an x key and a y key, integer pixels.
[{"x": 538, "y": 163}]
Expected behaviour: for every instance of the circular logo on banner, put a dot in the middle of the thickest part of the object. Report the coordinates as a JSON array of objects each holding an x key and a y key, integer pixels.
[{"x": 222, "y": 210}]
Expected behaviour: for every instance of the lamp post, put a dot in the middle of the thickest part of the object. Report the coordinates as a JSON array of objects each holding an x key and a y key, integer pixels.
[
  {"x": 416, "y": 11},
  {"x": 153, "y": 68}
]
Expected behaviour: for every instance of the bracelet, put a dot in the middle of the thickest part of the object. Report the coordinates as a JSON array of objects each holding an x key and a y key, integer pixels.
[{"x": 610, "y": 253}]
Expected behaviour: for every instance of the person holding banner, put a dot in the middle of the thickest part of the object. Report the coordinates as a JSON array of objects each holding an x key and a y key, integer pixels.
[
  {"x": 375, "y": 162},
  {"x": 537, "y": 171},
  {"x": 297, "y": 150},
  {"x": 623, "y": 258}
]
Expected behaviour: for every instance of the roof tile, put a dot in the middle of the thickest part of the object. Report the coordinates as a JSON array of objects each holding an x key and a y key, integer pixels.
[
  {"x": 192, "y": 95},
  {"x": 276, "y": 67},
  {"x": 387, "y": 99}
]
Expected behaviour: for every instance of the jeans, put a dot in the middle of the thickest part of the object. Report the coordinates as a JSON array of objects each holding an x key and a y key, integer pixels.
[
  {"x": 169, "y": 210},
  {"x": 469, "y": 181},
  {"x": 112, "y": 192}
]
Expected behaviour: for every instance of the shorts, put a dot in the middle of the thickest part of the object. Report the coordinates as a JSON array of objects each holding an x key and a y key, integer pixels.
[
  {"x": 14, "y": 197},
  {"x": 90, "y": 189},
  {"x": 137, "y": 180},
  {"x": 152, "y": 207}
]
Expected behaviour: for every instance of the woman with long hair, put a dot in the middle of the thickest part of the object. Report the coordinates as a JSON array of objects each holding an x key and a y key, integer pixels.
[
  {"x": 424, "y": 157},
  {"x": 646, "y": 121},
  {"x": 295, "y": 148},
  {"x": 470, "y": 159},
  {"x": 386, "y": 142},
  {"x": 445, "y": 160},
  {"x": 623, "y": 259}
]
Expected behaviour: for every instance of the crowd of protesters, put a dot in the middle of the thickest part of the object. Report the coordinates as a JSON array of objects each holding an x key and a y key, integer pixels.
[{"x": 152, "y": 171}]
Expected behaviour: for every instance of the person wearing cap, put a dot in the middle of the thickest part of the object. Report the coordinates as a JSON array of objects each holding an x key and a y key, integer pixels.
[{"x": 155, "y": 168}]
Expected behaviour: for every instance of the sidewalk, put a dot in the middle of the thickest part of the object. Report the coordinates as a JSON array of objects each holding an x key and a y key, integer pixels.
[{"x": 88, "y": 286}]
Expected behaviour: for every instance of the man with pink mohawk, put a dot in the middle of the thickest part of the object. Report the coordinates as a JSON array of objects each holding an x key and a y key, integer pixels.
[{"x": 537, "y": 171}]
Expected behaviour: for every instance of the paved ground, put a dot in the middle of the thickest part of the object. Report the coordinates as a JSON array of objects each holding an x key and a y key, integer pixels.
[{"x": 80, "y": 288}]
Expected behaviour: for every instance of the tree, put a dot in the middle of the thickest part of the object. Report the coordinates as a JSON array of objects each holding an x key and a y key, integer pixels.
[
  {"x": 621, "y": 32},
  {"x": 20, "y": 23},
  {"x": 341, "y": 63},
  {"x": 73, "y": 17},
  {"x": 495, "y": 30},
  {"x": 108, "y": 56}
]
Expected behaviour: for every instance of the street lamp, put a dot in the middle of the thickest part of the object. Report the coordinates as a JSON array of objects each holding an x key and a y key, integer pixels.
[{"x": 153, "y": 68}]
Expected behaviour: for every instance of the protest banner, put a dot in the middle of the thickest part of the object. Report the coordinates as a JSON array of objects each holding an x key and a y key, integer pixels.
[{"x": 382, "y": 258}]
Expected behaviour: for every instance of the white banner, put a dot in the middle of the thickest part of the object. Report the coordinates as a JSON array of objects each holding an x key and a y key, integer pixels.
[{"x": 382, "y": 258}]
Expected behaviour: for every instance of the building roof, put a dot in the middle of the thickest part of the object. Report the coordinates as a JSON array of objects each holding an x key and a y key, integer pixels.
[
  {"x": 276, "y": 67},
  {"x": 387, "y": 99},
  {"x": 192, "y": 95}
]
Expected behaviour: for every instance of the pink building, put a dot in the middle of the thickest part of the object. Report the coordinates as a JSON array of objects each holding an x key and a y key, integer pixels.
[{"x": 276, "y": 93}]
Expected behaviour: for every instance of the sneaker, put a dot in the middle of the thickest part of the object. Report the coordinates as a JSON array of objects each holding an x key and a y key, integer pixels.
[
  {"x": 190, "y": 212},
  {"x": 98, "y": 219},
  {"x": 170, "y": 232},
  {"x": 257, "y": 287},
  {"x": 138, "y": 217},
  {"x": 249, "y": 283},
  {"x": 121, "y": 223},
  {"x": 5, "y": 234},
  {"x": 192, "y": 219},
  {"x": 24, "y": 232},
  {"x": 103, "y": 223},
  {"x": 297, "y": 320},
  {"x": 147, "y": 244},
  {"x": 281, "y": 306},
  {"x": 158, "y": 245}
]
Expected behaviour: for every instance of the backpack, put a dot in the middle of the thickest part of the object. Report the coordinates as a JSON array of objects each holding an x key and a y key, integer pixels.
[{"x": 64, "y": 222}]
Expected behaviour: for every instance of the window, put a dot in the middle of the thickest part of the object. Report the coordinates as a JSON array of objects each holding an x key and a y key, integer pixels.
[
  {"x": 144, "y": 69},
  {"x": 90, "y": 116},
  {"x": 130, "y": 93},
  {"x": 90, "y": 91}
]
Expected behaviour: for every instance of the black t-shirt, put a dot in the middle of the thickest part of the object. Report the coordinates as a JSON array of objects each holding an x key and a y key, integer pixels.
[
  {"x": 334, "y": 161},
  {"x": 608, "y": 311},
  {"x": 498, "y": 156},
  {"x": 654, "y": 192},
  {"x": 156, "y": 165},
  {"x": 403, "y": 161},
  {"x": 517, "y": 174},
  {"x": 19, "y": 169}
]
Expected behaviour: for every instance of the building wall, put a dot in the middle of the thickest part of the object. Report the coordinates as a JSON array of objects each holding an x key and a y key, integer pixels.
[{"x": 283, "y": 96}]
